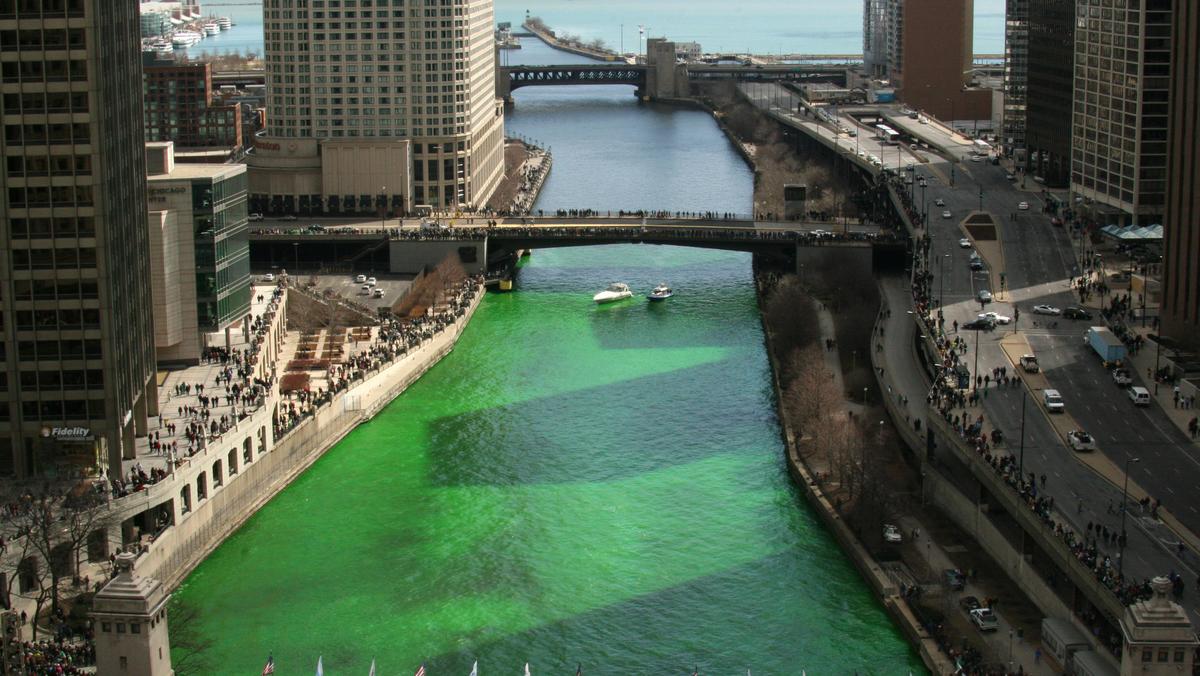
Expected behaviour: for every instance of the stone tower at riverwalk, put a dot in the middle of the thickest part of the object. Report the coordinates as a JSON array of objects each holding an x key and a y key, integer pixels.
[
  {"x": 130, "y": 624},
  {"x": 1158, "y": 636}
]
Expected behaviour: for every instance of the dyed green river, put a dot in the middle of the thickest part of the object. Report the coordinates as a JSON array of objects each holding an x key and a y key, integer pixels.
[{"x": 573, "y": 484}]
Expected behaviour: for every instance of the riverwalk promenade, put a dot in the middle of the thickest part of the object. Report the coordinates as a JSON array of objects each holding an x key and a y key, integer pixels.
[{"x": 231, "y": 435}]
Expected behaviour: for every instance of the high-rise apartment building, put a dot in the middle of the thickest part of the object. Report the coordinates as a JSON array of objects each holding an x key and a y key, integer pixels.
[
  {"x": 77, "y": 342},
  {"x": 179, "y": 105},
  {"x": 1016, "y": 77},
  {"x": 929, "y": 55},
  {"x": 1181, "y": 260},
  {"x": 875, "y": 38},
  {"x": 1119, "y": 126},
  {"x": 1049, "y": 83},
  {"x": 378, "y": 104}
]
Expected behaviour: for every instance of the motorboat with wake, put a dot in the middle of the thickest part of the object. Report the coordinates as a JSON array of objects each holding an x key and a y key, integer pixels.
[
  {"x": 615, "y": 292},
  {"x": 660, "y": 292}
]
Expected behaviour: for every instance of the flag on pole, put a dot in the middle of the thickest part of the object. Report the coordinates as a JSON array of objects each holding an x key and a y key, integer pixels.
[
  {"x": 475, "y": 668},
  {"x": 526, "y": 669},
  {"x": 372, "y": 672},
  {"x": 696, "y": 671},
  {"x": 579, "y": 670},
  {"x": 320, "y": 666},
  {"x": 421, "y": 671},
  {"x": 270, "y": 666}
]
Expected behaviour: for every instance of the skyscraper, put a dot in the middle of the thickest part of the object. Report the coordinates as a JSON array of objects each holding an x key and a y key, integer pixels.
[
  {"x": 77, "y": 342},
  {"x": 1049, "y": 83},
  {"x": 1181, "y": 268},
  {"x": 1016, "y": 76},
  {"x": 378, "y": 104},
  {"x": 929, "y": 54},
  {"x": 1119, "y": 131}
]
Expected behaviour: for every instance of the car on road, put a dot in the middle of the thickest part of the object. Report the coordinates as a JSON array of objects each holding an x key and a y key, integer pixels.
[
  {"x": 254, "y": 217},
  {"x": 985, "y": 619},
  {"x": 939, "y": 202},
  {"x": 316, "y": 227},
  {"x": 984, "y": 296},
  {"x": 1010, "y": 177},
  {"x": 892, "y": 534},
  {"x": 1023, "y": 206},
  {"x": 1076, "y": 312},
  {"x": 954, "y": 579},
  {"x": 1046, "y": 310},
  {"x": 1054, "y": 401},
  {"x": 977, "y": 158},
  {"x": 976, "y": 263},
  {"x": 268, "y": 277},
  {"x": 377, "y": 293},
  {"x": 996, "y": 317},
  {"x": 371, "y": 281},
  {"x": 1140, "y": 396},
  {"x": 964, "y": 243},
  {"x": 981, "y": 324},
  {"x": 289, "y": 217},
  {"x": 821, "y": 234},
  {"x": 969, "y": 603},
  {"x": 360, "y": 279},
  {"x": 947, "y": 214},
  {"x": 1081, "y": 441},
  {"x": 1029, "y": 363},
  {"x": 1122, "y": 377}
]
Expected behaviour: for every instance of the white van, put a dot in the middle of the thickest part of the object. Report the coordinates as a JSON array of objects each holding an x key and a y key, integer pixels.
[
  {"x": 1054, "y": 401},
  {"x": 1140, "y": 396}
]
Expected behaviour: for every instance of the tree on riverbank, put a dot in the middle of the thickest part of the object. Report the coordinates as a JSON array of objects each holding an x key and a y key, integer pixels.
[{"x": 776, "y": 162}]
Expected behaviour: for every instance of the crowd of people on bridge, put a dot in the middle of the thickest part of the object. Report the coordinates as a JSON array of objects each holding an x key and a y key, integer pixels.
[{"x": 56, "y": 657}]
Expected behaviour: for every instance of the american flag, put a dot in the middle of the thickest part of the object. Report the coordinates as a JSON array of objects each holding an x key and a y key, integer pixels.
[
  {"x": 270, "y": 667},
  {"x": 421, "y": 671}
]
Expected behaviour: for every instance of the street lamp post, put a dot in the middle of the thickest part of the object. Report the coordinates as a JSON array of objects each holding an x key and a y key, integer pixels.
[
  {"x": 1021, "y": 469},
  {"x": 296, "y": 251},
  {"x": 975, "y": 371},
  {"x": 1157, "y": 354},
  {"x": 1124, "y": 509},
  {"x": 941, "y": 280},
  {"x": 864, "y": 396}
]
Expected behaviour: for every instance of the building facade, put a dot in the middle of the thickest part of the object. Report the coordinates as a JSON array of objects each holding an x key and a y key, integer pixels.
[
  {"x": 1181, "y": 259},
  {"x": 179, "y": 107},
  {"x": 875, "y": 34},
  {"x": 409, "y": 82},
  {"x": 77, "y": 341},
  {"x": 1050, "y": 81},
  {"x": 1016, "y": 77},
  {"x": 1121, "y": 97},
  {"x": 200, "y": 254},
  {"x": 929, "y": 74}
]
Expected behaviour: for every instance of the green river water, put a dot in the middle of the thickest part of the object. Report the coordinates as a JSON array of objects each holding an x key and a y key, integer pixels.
[{"x": 572, "y": 484}]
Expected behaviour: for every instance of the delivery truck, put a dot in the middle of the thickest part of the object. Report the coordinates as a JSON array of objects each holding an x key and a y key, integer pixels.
[{"x": 1108, "y": 346}]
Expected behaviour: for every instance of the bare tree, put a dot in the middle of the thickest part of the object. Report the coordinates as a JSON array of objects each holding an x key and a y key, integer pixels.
[
  {"x": 58, "y": 524},
  {"x": 189, "y": 645}
]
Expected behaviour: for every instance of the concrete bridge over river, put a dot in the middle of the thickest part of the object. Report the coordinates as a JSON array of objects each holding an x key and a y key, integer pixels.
[
  {"x": 661, "y": 77},
  {"x": 405, "y": 246}
]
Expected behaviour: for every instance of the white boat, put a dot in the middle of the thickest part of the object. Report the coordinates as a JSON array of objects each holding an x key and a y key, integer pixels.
[
  {"x": 615, "y": 291},
  {"x": 660, "y": 292},
  {"x": 225, "y": 23},
  {"x": 184, "y": 39},
  {"x": 211, "y": 29}
]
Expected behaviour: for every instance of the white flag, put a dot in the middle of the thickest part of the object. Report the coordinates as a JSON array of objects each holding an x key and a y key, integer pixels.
[
  {"x": 372, "y": 672},
  {"x": 475, "y": 668},
  {"x": 526, "y": 669},
  {"x": 320, "y": 667}
]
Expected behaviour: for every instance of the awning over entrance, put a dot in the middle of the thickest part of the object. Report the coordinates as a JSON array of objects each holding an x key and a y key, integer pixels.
[{"x": 1134, "y": 233}]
